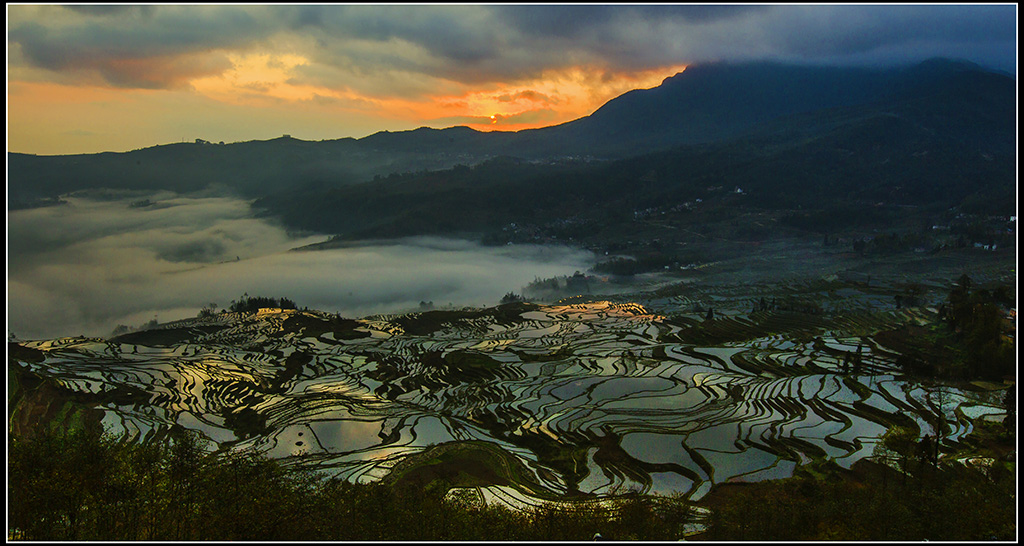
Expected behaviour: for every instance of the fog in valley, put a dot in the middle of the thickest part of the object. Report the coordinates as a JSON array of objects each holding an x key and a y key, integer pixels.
[{"x": 99, "y": 261}]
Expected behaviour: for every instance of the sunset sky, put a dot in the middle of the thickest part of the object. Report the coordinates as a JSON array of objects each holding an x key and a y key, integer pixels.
[{"x": 84, "y": 79}]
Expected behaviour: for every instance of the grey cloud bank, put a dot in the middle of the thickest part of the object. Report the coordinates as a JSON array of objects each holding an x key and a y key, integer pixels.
[
  {"x": 85, "y": 267},
  {"x": 474, "y": 44}
]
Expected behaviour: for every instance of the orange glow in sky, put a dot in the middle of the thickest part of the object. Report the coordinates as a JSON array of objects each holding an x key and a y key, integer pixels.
[
  {"x": 258, "y": 76},
  {"x": 266, "y": 87},
  {"x": 555, "y": 97},
  {"x": 93, "y": 78}
]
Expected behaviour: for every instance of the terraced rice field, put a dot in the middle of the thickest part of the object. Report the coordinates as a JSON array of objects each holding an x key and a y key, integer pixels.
[{"x": 582, "y": 400}]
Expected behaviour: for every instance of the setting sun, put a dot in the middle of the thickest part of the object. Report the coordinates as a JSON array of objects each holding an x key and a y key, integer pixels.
[{"x": 556, "y": 96}]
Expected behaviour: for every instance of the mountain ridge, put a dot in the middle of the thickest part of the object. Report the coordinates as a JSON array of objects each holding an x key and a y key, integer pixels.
[
  {"x": 704, "y": 104},
  {"x": 930, "y": 151}
]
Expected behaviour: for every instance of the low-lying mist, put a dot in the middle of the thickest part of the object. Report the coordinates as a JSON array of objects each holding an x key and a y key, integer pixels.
[{"x": 92, "y": 264}]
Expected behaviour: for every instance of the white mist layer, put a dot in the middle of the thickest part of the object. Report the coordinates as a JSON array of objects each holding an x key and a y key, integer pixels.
[{"x": 88, "y": 266}]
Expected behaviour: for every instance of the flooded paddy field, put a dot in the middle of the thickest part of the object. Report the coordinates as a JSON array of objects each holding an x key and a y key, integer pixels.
[{"x": 574, "y": 400}]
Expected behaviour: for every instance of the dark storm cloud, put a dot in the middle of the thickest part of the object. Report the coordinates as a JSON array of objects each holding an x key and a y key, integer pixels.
[
  {"x": 457, "y": 33},
  {"x": 475, "y": 44},
  {"x": 108, "y": 10},
  {"x": 857, "y": 30},
  {"x": 575, "y": 21},
  {"x": 155, "y": 49}
]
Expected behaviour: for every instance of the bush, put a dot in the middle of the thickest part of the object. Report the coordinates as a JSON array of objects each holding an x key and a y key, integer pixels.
[
  {"x": 80, "y": 485},
  {"x": 251, "y": 304}
]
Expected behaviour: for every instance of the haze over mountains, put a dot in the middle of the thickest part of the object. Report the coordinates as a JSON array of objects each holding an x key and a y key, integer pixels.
[{"x": 937, "y": 133}]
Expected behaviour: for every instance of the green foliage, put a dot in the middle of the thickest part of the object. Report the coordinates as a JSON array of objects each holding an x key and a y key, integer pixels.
[
  {"x": 48, "y": 494},
  {"x": 251, "y": 304},
  {"x": 557, "y": 286},
  {"x": 898, "y": 441},
  {"x": 980, "y": 323},
  {"x": 511, "y": 297},
  {"x": 208, "y": 310},
  {"x": 970, "y": 342},
  {"x": 79, "y": 485},
  {"x": 951, "y": 503}
]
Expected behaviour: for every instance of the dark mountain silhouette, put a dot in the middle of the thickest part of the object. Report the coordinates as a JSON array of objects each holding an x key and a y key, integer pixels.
[
  {"x": 250, "y": 169},
  {"x": 778, "y": 106},
  {"x": 717, "y": 101},
  {"x": 942, "y": 136}
]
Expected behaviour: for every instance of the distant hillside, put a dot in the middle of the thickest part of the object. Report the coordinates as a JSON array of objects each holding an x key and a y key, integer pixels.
[
  {"x": 705, "y": 104},
  {"x": 250, "y": 168},
  {"x": 721, "y": 101},
  {"x": 716, "y": 101},
  {"x": 944, "y": 137}
]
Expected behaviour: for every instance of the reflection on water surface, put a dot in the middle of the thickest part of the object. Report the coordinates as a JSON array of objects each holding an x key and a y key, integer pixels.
[{"x": 619, "y": 391}]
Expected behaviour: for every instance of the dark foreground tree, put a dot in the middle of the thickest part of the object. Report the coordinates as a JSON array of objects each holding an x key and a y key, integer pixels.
[{"x": 84, "y": 485}]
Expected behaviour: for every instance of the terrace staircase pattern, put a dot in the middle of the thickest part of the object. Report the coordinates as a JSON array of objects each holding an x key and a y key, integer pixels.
[{"x": 633, "y": 399}]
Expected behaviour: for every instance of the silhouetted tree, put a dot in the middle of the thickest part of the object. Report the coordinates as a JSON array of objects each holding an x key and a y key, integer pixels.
[
  {"x": 511, "y": 297},
  {"x": 250, "y": 304},
  {"x": 208, "y": 310}
]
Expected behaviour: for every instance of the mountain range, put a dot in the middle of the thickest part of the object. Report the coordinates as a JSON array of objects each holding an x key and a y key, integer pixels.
[{"x": 938, "y": 134}]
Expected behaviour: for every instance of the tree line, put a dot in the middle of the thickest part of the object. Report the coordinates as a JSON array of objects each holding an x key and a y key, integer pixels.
[
  {"x": 86, "y": 485},
  {"x": 950, "y": 502},
  {"x": 976, "y": 318}
]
